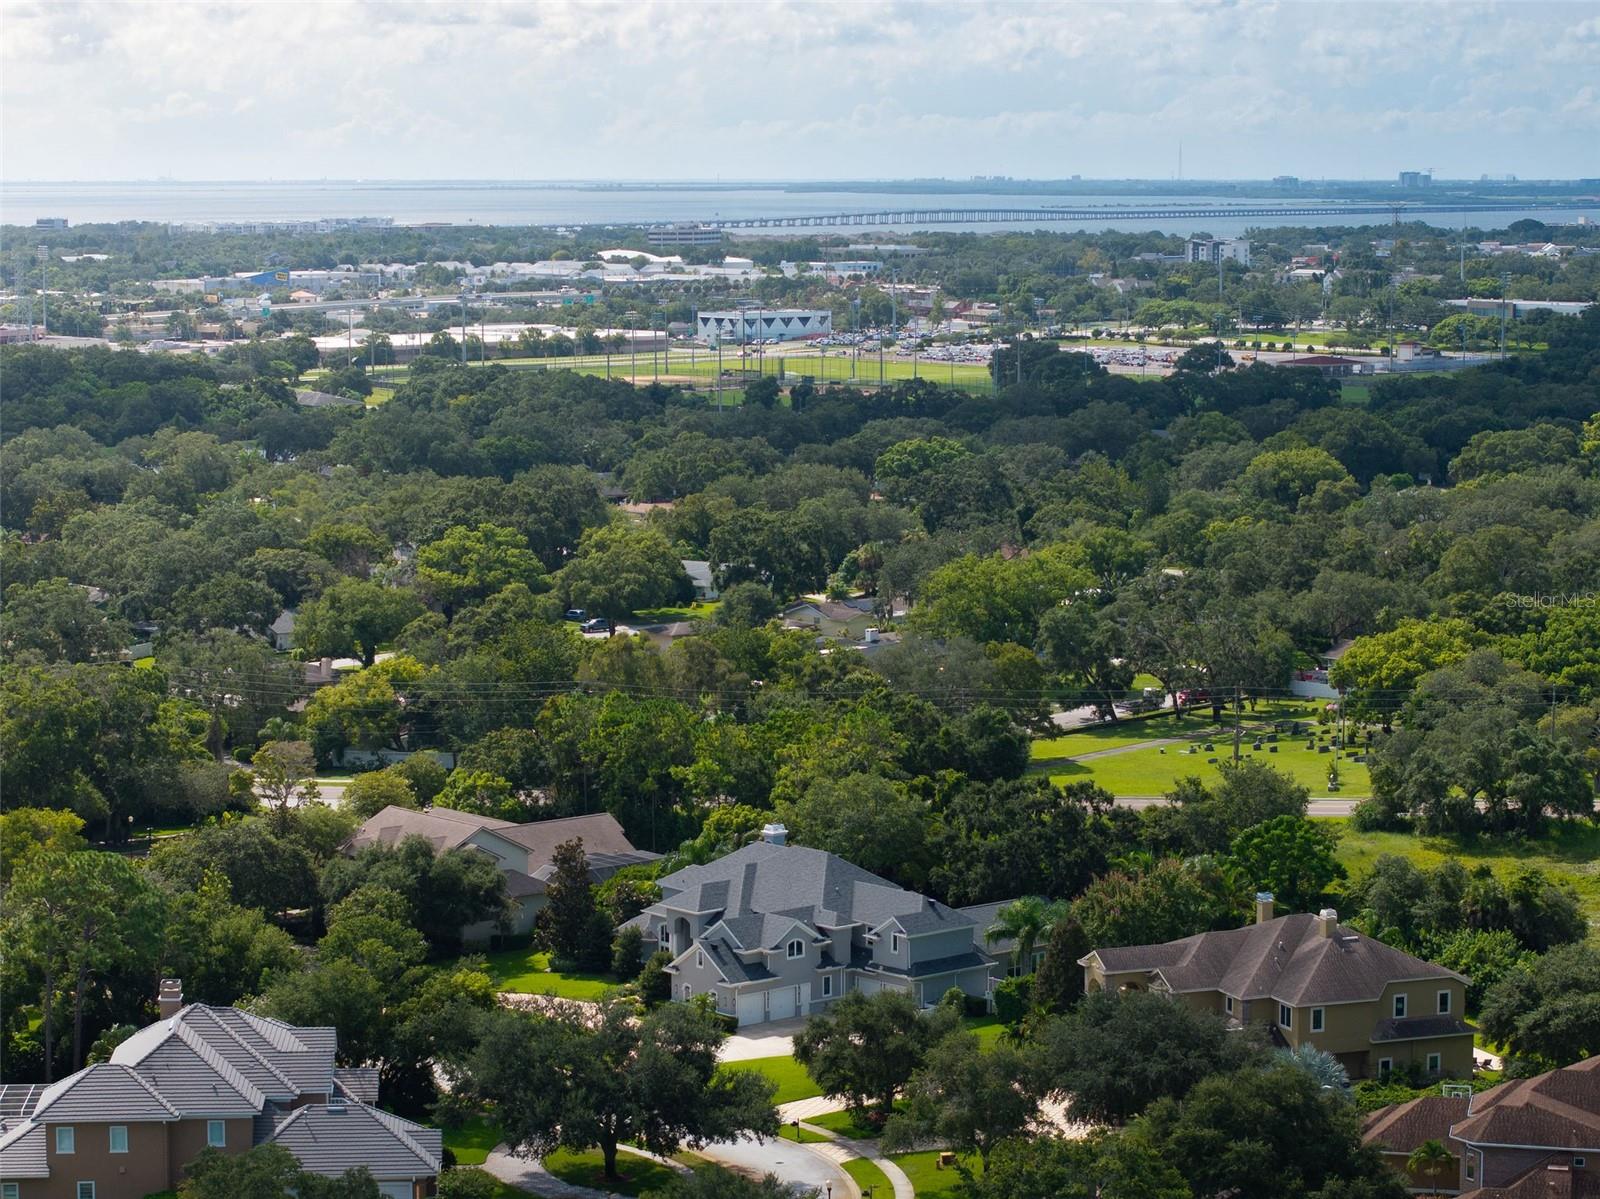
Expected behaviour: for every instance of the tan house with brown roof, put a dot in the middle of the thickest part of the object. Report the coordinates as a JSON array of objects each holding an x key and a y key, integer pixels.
[
  {"x": 1531, "y": 1138},
  {"x": 205, "y": 1077},
  {"x": 1312, "y": 981},
  {"x": 523, "y": 852}
]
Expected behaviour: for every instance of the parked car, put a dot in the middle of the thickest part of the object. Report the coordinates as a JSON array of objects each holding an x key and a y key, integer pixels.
[
  {"x": 577, "y": 615},
  {"x": 597, "y": 625}
]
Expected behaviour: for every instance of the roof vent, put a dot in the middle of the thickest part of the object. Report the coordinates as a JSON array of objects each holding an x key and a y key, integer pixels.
[{"x": 775, "y": 834}]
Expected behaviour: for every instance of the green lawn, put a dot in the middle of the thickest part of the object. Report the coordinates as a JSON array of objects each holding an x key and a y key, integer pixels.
[
  {"x": 472, "y": 1142},
  {"x": 790, "y": 1076},
  {"x": 1150, "y": 772},
  {"x": 586, "y": 1169},
  {"x": 528, "y": 972},
  {"x": 987, "y": 1028},
  {"x": 846, "y": 1125},
  {"x": 1568, "y": 852},
  {"x": 874, "y": 1183},
  {"x": 926, "y": 1177},
  {"x": 805, "y": 1137},
  {"x": 696, "y": 611}
]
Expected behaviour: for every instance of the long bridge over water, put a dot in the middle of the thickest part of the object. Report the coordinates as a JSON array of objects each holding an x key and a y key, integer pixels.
[{"x": 1011, "y": 216}]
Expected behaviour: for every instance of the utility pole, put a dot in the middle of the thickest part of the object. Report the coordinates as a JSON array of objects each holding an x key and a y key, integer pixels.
[
  {"x": 44, "y": 301},
  {"x": 1505, "y": 310},
  {"x": 1238, "y": 723}
]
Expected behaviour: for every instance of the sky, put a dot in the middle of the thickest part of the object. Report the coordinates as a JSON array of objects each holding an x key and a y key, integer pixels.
[{"x": 802, "y": 90}]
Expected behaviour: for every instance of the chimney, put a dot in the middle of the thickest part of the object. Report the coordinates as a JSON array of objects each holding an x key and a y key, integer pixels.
[
  {"x": 1327, "y": 922},
  {"x": 169, "y": 1000},
  {"x": 775, "y": 834},
  {"x": 1263, "y": 906},
  {"x": 871, "y": 636}
]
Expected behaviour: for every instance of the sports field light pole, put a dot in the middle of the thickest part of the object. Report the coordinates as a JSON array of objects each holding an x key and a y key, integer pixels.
[
  {"x": 632, "y": 318},
  {"x": 44, "y": 302}
]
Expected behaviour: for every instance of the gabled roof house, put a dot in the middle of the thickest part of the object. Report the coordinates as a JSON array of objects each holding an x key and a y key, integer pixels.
[
  {"x": 204, "y": 1077},
  {"x": 522, "y": 851},
  {"x": 773, "y": 931},
  {"x": 1312, "y": 981},
  {"x": 1528, "y": 1138}
]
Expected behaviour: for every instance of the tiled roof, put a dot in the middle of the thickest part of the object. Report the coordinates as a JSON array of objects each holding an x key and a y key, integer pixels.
[
  {"x": 329, "y": 1139},
  {"x": 22, "y": 1152},
  {"x": 255, "y": 1056},
  {"x": 104, "y": 1091},
  {"x": 1401, "y": 1127},
  {"x": 358, "y": 1082},
  {"x": 1558, "y": 1110},
  {"x": 1549, "y": 1178},
  {"x": 601, "y": 834},
  {"x": 1287, "y": 959}
]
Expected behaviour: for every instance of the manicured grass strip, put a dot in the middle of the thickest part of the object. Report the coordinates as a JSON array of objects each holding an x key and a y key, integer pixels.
[
  {"x": 587, "y": 1169},
  {"x": 789, "y": 1075},
  {"x": 874, "y": 1183},
  {"x": 926, "y": 1176},
  {"x": 697, "y": 611},
  {"x": 1569, "y": 852},
  {"x": 847, "y": 1125},
  {"x": 528, "y": 972},
  {"x": 805, "y": 1136},
  {"x": 472, "y": 1142}
]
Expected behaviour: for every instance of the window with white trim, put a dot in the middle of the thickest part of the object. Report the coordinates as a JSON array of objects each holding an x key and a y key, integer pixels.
[
  {"x": 1227, "y": 1002},
  {"x": 795, "y": 949},
  {"x": 66, "y": 1139},
  {"x": 1385, "y": 1065},
  {"x": 664, "y": 935},
  {"x": 699, "y": 959},
  {"x": 827, "y": 985},
  {"x": 894, "y": 942},
  {"x": 687, "y": 990},
  {"x": 1579, "y": 1163},
  {"x": 1433, "y": 1063},
  {"x": 8, "y": 1190},
  {"x": 1285, "y": 1016},
  {"x": 1400, "y": 1007},
  {"x": 217, "y": 1134},
  {"x": 86, "y": 1190},
  {"x": 1472, "y": 1166},
  {"x": 117, "y": 1137},
  {"x": 1444, "y": 1003},
  {"x": 1319, "y": 1019}
]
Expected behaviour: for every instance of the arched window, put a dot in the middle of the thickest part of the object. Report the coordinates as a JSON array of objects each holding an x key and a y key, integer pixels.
[{"x": 797, "y": 948}]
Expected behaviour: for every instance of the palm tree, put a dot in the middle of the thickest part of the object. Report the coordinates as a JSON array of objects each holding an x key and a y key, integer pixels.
[
  {"x": 1027, "y": 921},
  {"x": 1430, "y": 1159}
]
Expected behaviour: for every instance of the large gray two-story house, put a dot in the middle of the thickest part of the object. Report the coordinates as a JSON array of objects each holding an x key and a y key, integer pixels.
[{"x": 774, "y": 931}]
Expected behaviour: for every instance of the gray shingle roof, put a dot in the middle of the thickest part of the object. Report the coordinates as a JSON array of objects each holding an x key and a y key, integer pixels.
[
  {"x": 823, "y": 890},
  {"x": 330, "y": 1139},
  {"x": 22, "y": 1152},
  {"x": 728, "y": 962},
  {"x": 972, "y": 960},
  {"x": 102, "y": 1092},
  {"x": 1286, "y": 959}
]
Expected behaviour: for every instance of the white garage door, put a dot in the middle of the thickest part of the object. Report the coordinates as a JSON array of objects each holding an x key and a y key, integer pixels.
[
  {"x": 395, "y": 1190},
  {"x": 749, "y": 1009},
  {"x": 783, "y": 1003}
]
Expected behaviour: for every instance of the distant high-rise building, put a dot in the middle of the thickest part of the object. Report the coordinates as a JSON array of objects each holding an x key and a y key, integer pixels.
[
  {"x": 50, "y": 222},
  {"x": 1286, "y": 180},
  {"x": 1415, "y": 179},
  {"x": 1219, "y": 249}
]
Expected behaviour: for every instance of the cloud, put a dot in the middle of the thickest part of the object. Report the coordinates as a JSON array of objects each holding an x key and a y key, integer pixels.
[{"x": 792, "y": 88}]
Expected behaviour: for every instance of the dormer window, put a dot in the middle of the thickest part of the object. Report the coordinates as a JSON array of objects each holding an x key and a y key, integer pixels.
[
  {"x": 1399, "y": 1007},
  {"x": 664, "y": 936},
  {"x": 796, "y": 949},
  {"x": 894, "y": 942}
]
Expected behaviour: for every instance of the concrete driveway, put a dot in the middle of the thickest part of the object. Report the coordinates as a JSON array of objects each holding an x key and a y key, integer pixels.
[{"x": 762, "y": 1040}]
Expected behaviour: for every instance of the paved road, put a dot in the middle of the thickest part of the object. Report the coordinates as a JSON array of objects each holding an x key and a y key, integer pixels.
[
  {"x": 1317, "y": 807},
  {"x": 797, "y": 1166}
]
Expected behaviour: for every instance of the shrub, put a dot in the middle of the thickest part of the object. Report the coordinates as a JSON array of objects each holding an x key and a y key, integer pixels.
[
  {"x": 627, "y": 954},
  {"x": 655, "y": 984},
  {"x": 1012, "y": 998}
]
